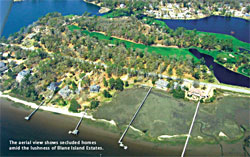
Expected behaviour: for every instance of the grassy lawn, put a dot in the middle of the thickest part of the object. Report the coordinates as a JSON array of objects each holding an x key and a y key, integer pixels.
[
  {"x": 70, "y": 15},
  {"x": 236, "y": 42},
  {"x": 164, "y": 115},
  {"x": 243, "y": 70},
  {"x": 215, "y": 54}
]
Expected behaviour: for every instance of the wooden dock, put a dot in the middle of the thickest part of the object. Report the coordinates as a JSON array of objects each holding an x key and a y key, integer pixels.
[
  {"x": 76, "y": 131},
  {"x": 31, "y": 114},
  {"x": 124, "y": 133},
  {"x": 190, "y": 129}
]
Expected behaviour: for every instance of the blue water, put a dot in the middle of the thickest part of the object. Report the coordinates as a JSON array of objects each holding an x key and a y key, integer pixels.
[
  {"x": 216, "y": 24},
  {"x": 26, "y": 12},
  {"x": 222, "y": 74},
  {"x": 5, "y": 6}
]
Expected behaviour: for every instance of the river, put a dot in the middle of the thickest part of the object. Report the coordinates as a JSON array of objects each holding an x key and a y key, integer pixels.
[
  {"x": 236, "y": 27},
  {"x": 26, "y": 12},
  {"x": 221, "y": 73}
]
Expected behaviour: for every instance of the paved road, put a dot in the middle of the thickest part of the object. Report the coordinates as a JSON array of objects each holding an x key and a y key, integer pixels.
[{"x": 234, "y": 89}]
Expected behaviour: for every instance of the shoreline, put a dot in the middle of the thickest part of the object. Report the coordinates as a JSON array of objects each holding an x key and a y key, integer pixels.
[
  {"x": 65, "y": 112},
  {"x": 198, "y": 18},
  {"x": 102, "y": 10},
  {"x": 84, "y": 115},
  {"x": 47, "y": 124},
  {"x": 53, "y": 109},
  {"x": 169, "y": 139},
  {"x": 106, "y": 10}
]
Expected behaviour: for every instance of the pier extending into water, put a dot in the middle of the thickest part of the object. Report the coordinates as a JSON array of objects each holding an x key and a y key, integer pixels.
[
  {"x": 76, "y": 131},
  {"x": 124, "y": 133},
  {"x": 31, "y": 114},
  {"x": 190, "y": 129}
]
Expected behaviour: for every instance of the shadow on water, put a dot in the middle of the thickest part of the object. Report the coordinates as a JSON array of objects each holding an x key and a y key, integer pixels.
[{"x": 221, "y": 73}]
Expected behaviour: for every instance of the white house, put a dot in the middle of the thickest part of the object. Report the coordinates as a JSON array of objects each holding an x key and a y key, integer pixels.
[{"x": 21, "y": 75}]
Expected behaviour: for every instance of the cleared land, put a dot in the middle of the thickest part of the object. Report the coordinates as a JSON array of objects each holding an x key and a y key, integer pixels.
[{"x": 164, "y": 115}]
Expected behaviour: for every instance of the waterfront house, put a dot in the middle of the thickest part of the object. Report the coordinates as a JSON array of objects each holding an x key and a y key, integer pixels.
[
  {"x": 161, "y": 83},
  {"x": 196, "y": 92},
  {"x": 21, "y": 75},
  {"x": 65, "y": 92},
  {"x": 95, "y": 88},
  {"x": 53, "y": 86},
  {"x": 2, "y": 67},
  {"x": 122, "y": 6}
]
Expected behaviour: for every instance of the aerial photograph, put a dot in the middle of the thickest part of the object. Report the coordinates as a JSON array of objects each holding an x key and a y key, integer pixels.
[{"x": 130, "y": 78}]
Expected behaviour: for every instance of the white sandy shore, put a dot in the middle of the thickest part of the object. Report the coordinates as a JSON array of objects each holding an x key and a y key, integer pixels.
[
  {"x": 84, "y": 114},
  {"x": 56, "y": 110},
  {"x": 162, "y": 137}
]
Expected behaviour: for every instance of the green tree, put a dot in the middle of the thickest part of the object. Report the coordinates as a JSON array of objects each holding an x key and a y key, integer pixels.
[
  {"x": 105, "y": 82},
  {"x": 94, "y": 104},
  {"x": 197, "y": 75},
  {"x": 74, "y": 106},
  {"x": 178, "y": 93},
  {"x": 112, "y": 83},
  {"x": 107, "y": 94},
  {"x": 126, "y": 84},
  {"x": 119, "y": 84}
]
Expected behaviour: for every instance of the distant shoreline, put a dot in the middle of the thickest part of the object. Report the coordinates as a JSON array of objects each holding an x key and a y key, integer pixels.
[
  {"x": 102, "y": 9},
  {"x": 18, "y": 0},
  {"x": 106, "y": 10}
]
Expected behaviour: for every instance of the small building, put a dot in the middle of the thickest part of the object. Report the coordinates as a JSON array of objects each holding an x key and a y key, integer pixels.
[
  {"x": 3, "y": 67},
  {"x": 21, "y": 75},
  {"x": 175, "y": 85},
  {"x": 122, "y": 6},
  {"x": 161, "y": 83},
  {"x": 95, "y": 88},
  {"x": 53, "y": 86},
  {"x": 65, "y": 92}
]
